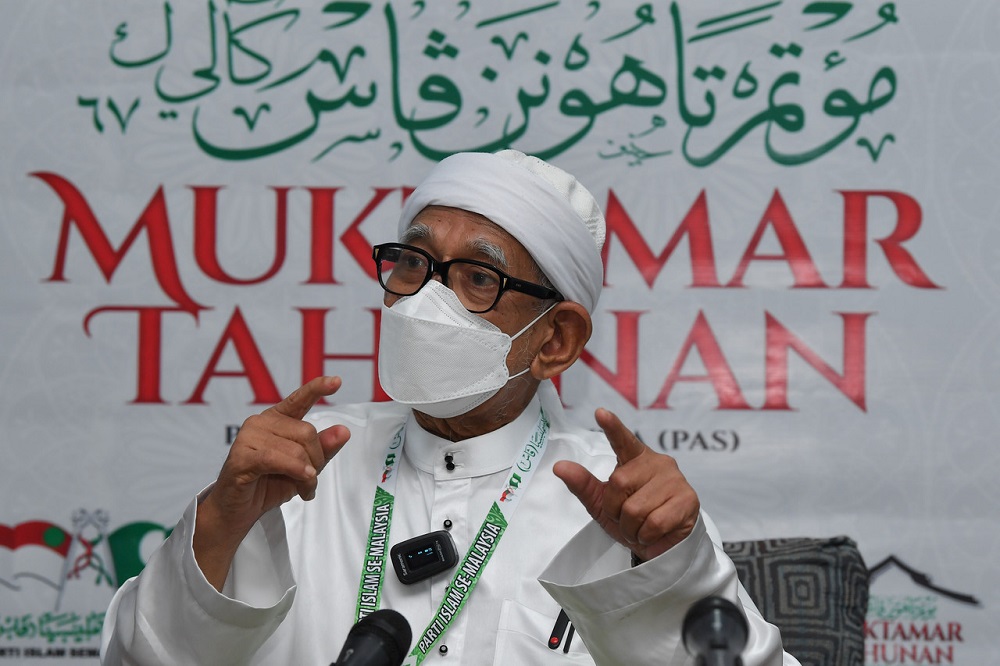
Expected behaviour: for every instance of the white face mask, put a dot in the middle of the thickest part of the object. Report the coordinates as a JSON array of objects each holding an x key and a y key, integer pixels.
[{"x": 438, "y": 357}]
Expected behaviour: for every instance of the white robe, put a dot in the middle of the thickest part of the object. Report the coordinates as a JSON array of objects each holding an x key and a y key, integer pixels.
[{"x": 291, "y": 594}]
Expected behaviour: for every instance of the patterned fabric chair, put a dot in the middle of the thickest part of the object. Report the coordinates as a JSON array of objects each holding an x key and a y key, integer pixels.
[{"x": 814, "y": 590}]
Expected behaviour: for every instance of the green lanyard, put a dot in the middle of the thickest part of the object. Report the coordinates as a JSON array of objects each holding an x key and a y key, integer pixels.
[{"x": 471, "y": 567}]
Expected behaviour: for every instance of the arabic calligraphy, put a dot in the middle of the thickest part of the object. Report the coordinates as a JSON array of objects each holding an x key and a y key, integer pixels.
[
  {"x": 53, "y": 627},
  {"x": 252, "y": 79}
]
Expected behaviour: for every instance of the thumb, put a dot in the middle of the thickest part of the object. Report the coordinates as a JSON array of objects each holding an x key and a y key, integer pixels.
[
  {"x": 584, "y": 485},
  {"x": 333, "y": 439}
]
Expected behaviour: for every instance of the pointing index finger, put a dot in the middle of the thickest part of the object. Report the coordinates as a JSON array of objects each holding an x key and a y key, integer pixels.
[
  {"x": 623, "y": 441},
  {"x": 301, "y": 400}
]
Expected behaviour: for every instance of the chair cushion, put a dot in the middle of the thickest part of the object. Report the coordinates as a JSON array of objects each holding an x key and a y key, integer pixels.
[{"x": 814, "y": 590}]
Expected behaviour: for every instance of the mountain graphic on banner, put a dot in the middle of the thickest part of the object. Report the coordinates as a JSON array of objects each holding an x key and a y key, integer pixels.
[{"x": 919, "y": 578}]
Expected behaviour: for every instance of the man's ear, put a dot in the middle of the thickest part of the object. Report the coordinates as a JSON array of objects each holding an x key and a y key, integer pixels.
[{"x": 570, "y": 330}]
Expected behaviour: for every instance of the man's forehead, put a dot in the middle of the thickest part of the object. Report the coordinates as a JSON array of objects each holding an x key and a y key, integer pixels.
[{"x": 436, "y": 217}]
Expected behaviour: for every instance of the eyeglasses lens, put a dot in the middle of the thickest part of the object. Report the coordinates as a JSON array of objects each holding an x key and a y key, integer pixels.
[{"x": 403, "y": 272}]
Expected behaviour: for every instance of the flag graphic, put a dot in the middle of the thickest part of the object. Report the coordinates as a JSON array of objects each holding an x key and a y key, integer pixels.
[{"x": 33, "y": 549}]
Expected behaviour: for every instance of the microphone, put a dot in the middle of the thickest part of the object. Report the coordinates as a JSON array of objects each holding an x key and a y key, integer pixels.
[
  {"x": 380, "y": 639},
  {"x": 715, "y": 632}
]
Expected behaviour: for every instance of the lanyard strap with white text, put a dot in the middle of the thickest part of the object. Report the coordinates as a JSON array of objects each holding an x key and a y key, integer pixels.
[{"x": 471, "y": 567}]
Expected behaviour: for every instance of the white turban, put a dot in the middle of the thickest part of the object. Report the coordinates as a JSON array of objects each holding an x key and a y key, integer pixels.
[{"x": 546, "y": 209}]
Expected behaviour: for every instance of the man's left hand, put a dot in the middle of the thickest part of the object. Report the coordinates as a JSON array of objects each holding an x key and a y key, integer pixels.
[{"x": 646, "y": 504}]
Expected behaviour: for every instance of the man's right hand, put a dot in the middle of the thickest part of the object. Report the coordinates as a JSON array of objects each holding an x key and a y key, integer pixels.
[{"x": 276, "y": 456}]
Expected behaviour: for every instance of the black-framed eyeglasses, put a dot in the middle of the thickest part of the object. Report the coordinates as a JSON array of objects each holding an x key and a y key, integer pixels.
[{"x": 403, "y": 270}]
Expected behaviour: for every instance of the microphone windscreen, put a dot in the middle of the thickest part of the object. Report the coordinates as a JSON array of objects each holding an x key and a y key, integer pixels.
[
  {"x": 715, "y": 625},
  {"x": 379, "y": 639}
]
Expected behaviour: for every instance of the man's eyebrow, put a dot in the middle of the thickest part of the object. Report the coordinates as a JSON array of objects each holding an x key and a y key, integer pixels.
[
  {"x": 493, "y": 252},
  {"x": 414, "y": 232}
]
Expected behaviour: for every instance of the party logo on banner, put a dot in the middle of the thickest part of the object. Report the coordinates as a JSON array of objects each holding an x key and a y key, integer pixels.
[
  {"x": 65, "y": 578},
  {"x": 922, "y": 626}
]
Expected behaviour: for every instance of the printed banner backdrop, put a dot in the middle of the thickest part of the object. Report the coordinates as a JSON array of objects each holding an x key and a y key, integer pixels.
[{"x": 801, "y": 284}]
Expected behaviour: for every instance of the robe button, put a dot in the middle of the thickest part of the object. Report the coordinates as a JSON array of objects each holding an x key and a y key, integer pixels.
[
  {"x": 447, "y": 524},
  {"x": 443, "y": 650}
]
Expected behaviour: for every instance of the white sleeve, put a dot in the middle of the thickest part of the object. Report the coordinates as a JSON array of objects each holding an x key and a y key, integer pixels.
[
  {"x": 634, "y": 615},
  {"x": 170, "y": 614}
]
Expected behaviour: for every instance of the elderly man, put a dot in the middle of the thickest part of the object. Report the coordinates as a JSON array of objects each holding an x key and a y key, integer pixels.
[{"x": 570, "y": 546}]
